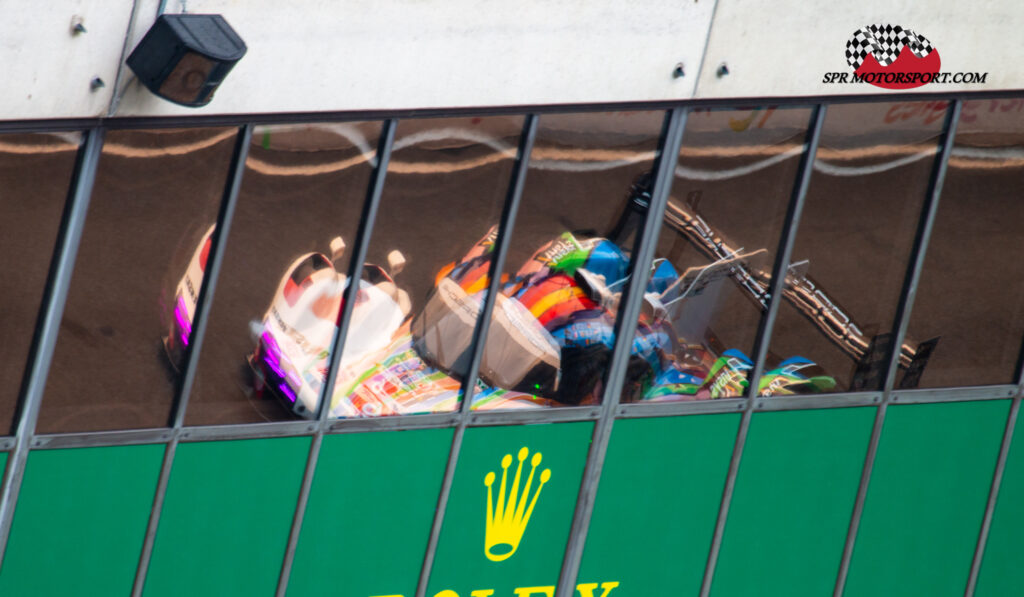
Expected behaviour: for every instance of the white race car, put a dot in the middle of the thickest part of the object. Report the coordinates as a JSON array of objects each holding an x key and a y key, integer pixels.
[
  {"x": 186, "y": 293},
  {"x": 294, "y": 338},
  {"x": 382, "y": 371}
]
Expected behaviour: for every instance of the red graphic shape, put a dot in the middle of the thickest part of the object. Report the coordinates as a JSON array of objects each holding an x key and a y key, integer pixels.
[
  {"x": 205, "y": 254},
  {"x": 906, "y": 62}
]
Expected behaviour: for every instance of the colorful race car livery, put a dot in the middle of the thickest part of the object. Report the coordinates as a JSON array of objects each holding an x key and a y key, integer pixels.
[{"x": 550, "y": 338}]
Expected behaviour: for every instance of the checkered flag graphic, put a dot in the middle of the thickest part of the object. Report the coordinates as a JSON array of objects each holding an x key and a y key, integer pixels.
[{"x": 884, "y": 42}]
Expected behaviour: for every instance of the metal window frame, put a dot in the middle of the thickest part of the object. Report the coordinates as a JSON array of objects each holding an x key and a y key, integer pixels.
[
  {"x": 901, "y": 322},
  {"x": 204, "y": 302},
  {"x": 625, "y": 327},
  {"x": 510, "y": 210},
  {"x": 766, "y": 325},
  {"x": 25, "y": 439},
  {"x": 44, "y": 341}
]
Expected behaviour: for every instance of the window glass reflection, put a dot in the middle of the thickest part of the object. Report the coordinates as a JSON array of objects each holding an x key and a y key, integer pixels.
[
  {"x": 850, "y": 257},
  {"x": 35, "y": 170},
  {"x": 551, "y": 335},
  {"x": 114, "y": 365},
  {"x": 970, "y": 299},
  {"x": 280, "y": 290},
  {"x": 408, "y": 346},
  {"x": 714, "y": 256}
]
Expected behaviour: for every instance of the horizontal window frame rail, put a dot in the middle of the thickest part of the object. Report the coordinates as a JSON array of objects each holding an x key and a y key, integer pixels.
[
  {"x": 635, "y": 410},
  {"x": 641, "y": 410},
  {"x": 265, "y": 118},
  {"x": 932, "y": 395}
]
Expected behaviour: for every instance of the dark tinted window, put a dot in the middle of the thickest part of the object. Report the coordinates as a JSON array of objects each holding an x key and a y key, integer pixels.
[
  {"x": 34, "y": 174},
  {"x": 410, "y": 339},
  {"x": 833, "y": 332},
  {"x": 279, "y": 293},
  {"x": 129, "y": 306},
  {"x": 551, "y": 337},
  {"x": 970, "y": 301},
  {"x": 714, "y": 257}
]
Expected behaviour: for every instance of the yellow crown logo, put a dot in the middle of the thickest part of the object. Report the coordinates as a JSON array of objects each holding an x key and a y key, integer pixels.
[{"x": 507, "y": 521}]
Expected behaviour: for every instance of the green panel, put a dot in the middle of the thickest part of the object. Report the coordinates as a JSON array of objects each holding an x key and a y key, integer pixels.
[
  {"x": 657, "y": 504},
  {"x": 791, "y": 506},
  {"x": 926, "y": 500},
  {"x": 369, "y": 513},
  {"x": 80, "y": 521},
  {"x": 1002, "y": 569},
  {"x": 226, "y": 518},
  {"x": 462, "y": 563}
]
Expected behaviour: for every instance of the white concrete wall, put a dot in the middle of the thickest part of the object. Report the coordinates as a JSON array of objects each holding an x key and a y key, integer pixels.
[
  {"x": 47, "y": 69},
  {"x": 325, "y": 55}
]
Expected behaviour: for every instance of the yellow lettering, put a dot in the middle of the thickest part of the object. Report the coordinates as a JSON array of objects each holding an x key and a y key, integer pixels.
[
  {"x": 587, "y": 590},
  {"x": 584, "y": 589}
]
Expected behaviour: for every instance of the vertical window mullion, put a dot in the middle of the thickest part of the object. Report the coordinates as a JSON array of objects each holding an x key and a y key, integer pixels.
[
  {"x": 48, "y": 323},
  {"x": 510, "y": 209},
  {"x": 204, "y": 302},
  {"x": 900, "y": 324},
  {"x": 505, "y": 228},
  {"x": 762, "y": 340},
  {"x": 364, "y": 233},
  {"x": 355, "y": 271},
  {"x": 625, "y": 329},
  {"x": 924, "y": 232},
  {"x": 218, "y": 244},
  {"x": 784, "y": 252}
]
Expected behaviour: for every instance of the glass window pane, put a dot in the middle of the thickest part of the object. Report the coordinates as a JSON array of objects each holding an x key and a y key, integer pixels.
[
  {"x": 35, "y": 170},
  {"x": 156, "y": 191},
  {"x": 970, "y": 300},
  {"x": 833, "y": 331},
  {"x": 409, "y": 340},
  {"x": 551, "y": 335},
  {"x": 279, "y": 293},
  {"x": 714, "y": 256}
]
